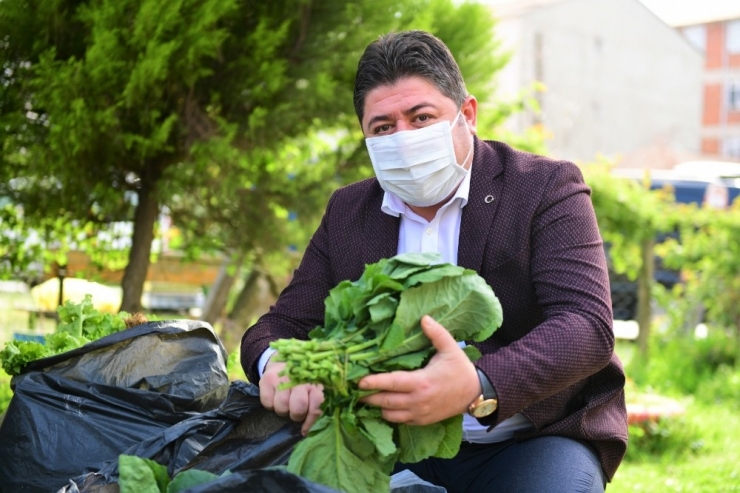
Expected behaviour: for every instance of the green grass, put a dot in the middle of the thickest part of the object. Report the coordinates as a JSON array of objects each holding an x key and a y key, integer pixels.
[
  {"x": 696, "y": 452},
  {"x": 708, "y": 463}
]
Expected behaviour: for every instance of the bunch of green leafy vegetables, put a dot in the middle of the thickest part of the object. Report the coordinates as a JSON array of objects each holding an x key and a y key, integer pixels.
[
  {"x": 79, "y": 324},
  {"x": 372, "y": 325},
  {"x": 140, "y": 475}
]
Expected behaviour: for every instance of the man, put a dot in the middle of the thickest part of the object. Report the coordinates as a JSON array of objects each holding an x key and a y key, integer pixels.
[{"x": 544, "y": 407}]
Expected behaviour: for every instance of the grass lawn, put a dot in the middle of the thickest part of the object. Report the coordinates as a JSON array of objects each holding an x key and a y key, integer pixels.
[
  {"x": 696, "y": 452},
  {"x": 701, "y": 454}
]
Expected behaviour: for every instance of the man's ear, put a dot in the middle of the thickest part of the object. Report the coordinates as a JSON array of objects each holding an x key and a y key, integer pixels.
[{"x": 469, "y": 110}]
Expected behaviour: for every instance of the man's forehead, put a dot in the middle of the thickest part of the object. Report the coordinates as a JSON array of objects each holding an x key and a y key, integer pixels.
[
  {"x": 412, "y": 84},
  {"x": 404, "y": 96}
]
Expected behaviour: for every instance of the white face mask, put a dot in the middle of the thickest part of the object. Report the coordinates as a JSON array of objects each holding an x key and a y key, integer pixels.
[{"x": 419, "y": 166}]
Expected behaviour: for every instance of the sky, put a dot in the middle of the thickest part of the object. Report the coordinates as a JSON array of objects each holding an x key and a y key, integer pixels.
[
  {"x": 682, "y": 12},
  {"x": 672, "y": 12}
]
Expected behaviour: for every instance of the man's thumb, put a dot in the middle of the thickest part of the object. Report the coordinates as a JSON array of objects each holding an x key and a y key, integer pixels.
[{"x": 441, "y": 339}]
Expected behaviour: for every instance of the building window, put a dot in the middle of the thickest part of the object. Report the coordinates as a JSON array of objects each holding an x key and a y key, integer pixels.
[
  {"x": 696, "y": 36},
  {"x": 733, "y": 95},
  {"x": 731, "y": 147},
  {"x": 732, "y": 38}
]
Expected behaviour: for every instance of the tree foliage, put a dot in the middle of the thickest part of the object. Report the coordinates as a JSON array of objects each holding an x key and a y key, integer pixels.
[
  {"x": 235, "y": 115},
  {"x": 628, "y": 212},
  {"x": 708, "y": 254},
  {"x": 698, "y": 241},
  {"x": 630, "y": 218}
]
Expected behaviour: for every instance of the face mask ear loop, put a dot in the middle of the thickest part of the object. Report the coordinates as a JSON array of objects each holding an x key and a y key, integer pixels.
[
  {"x": 472, "y": 145},
  {"x": 457, "y": 117}
]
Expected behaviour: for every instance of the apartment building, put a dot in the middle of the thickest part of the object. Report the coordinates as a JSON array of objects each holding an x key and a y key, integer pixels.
[
  {"x": 619, "y": 81},
  {"x": 718, "y": 40}
]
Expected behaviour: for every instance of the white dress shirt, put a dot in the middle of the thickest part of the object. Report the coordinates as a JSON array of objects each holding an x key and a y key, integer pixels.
[{"x": 442, "y": 235}]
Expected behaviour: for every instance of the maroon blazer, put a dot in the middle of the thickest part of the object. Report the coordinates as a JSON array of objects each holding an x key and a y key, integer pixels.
[{"x": 529, "y": 229}]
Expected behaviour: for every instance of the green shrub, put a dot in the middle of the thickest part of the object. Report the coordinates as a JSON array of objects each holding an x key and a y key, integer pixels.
[
  {"x": 5, "y": 393},
  {"x": 723, "y": 387},
  {"x": 234, "y": 367},
  {"x": 665, "y": 440},
  {"x": 681, "y": 364}
]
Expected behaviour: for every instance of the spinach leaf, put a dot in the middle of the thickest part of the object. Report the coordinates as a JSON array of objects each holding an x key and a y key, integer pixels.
[
  {"x": 139, "y": 475},
  {"x": 325, "y": 457},
  {"x": 191, "y": 477}
]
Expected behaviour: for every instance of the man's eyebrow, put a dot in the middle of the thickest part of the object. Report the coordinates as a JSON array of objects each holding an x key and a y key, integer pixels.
[{"x": 407, "y": 112}]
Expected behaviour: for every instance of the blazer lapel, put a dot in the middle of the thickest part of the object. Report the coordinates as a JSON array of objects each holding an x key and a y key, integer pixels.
[
  {"x": 380, "y": 233},
  {"x": 486, "y": 186}
]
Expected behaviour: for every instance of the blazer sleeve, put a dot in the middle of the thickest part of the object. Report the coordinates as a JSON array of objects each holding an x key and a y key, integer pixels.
[{"x": 300, "y": 306}]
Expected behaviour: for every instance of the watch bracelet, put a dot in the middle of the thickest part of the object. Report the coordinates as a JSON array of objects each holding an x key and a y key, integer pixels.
[{"x": 485, "y": 384}]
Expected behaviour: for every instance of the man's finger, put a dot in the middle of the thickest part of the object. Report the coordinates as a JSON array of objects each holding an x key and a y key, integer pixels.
[
  {"x": 267, "y": 395},
  {"x": 315, "y": 398},
  {"x": 298, "y": 403},
  {"x": 281, "y": 402},
  {"x": 394, "y": 381}
]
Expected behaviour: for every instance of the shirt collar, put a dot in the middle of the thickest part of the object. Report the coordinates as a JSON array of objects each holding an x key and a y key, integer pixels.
[{"x": 394, "y": 206}]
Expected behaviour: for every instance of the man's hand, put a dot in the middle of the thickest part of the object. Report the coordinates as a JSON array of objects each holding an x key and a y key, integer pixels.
[
  {"x": 300, "y": 403},
  {"x": 445, "y": 387}
]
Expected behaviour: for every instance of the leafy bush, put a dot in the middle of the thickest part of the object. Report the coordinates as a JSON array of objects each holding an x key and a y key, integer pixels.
[
  {"x": 722, "y": 388},
  {"x": 682, "y": 364},
  {"x": 5, "y": 393},
  {"x": 665, "y": 441},
  {"x": 234, "y": 367},
  {"x": 79, "y": 324}
]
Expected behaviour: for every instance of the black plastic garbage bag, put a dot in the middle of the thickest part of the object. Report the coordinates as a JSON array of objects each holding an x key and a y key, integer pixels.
[
  {"x": 261, "y": 481},
  {"x": 270, "y": 480},
  {"x": 254, "y": 438},
  {"x": 241, "y": 436},
  {"x": 280, "y": 481},
  {"x": 73, "y": 412}
]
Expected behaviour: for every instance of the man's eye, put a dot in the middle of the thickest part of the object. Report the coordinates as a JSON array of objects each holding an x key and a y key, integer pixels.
[
  {"x": 423, "y": 118},
  {"x": 382, "y": 128}
]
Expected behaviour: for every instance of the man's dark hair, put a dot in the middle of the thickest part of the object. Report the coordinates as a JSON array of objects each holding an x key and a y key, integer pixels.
[{"x": 405, "y": 54}]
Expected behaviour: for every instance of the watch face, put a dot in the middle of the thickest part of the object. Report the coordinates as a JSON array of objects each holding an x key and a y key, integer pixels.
[{"x": 485, "y": 408}]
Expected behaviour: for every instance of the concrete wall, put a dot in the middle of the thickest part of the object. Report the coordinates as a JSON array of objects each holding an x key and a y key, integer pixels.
[{"x": 618, "y": 79}]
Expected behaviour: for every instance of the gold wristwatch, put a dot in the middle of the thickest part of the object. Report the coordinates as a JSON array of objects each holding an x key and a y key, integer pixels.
[{"x": 486, "y": 403}]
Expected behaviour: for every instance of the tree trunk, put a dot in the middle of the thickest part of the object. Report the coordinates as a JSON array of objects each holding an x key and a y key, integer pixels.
[
  {"x": 259, "y": 292},
  {"x": 145, "y": 217},
  {"x": 737, "y": 342},
  {"x": 644, "y": 290},
  {"x": 241, "y": 311},
  {"x": 218, "y": 295}
]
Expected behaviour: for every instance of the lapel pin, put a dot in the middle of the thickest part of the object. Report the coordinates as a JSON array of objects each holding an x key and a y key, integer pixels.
[{"x": 488, "y": 199}]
